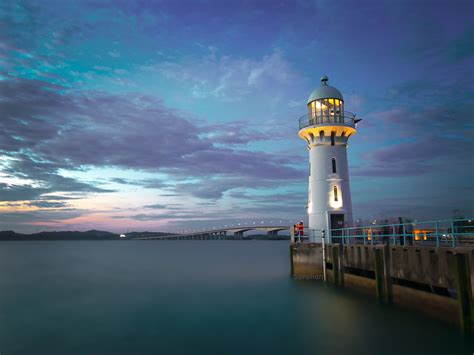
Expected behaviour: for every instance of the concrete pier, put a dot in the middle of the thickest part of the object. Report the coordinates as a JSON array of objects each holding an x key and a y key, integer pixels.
[
  {"x": 307, "y": 261},
  {"x": 437, "y": 281}
]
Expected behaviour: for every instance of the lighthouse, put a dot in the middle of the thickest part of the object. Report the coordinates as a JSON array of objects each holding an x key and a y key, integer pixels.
[{"x": 326, "y": 128}]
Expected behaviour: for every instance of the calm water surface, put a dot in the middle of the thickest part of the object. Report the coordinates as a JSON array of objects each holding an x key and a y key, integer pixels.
[{"x": 192, "y": 297}]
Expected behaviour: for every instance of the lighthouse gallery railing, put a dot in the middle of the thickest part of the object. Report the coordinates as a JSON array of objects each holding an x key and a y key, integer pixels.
[
  {"x": 346, "y": 119},
  {"x": 451, "y": 232}
]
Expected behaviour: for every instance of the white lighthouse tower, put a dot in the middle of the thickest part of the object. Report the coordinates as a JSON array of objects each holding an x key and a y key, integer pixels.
[{"x": 327, "y": 128}]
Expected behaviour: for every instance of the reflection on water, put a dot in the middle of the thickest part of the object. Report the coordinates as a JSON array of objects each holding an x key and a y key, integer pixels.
[{"x": 192, "y": 297}]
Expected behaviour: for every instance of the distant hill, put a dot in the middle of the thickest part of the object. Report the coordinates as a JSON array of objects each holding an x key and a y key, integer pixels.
[{"x": 89, "y": 235}]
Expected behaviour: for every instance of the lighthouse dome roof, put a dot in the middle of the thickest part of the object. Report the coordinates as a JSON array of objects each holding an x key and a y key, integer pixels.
[{"x": 325, "y": 91}]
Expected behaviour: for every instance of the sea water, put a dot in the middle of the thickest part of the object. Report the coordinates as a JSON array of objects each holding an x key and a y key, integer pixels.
[{"x": 192, "y": 297}]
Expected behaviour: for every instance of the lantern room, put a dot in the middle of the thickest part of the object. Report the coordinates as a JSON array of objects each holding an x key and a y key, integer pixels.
[
  {"x": 326, "y": 104},
  {"x": 326, "y": 115}
]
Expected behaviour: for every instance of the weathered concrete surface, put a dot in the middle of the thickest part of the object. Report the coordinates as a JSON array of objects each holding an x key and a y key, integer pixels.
[
  {"x": 307, "y": 260},
  {"x": 439, "y": 307},
  {"x": 431, "y": 266},
  {"x": 359, "y": 283}
]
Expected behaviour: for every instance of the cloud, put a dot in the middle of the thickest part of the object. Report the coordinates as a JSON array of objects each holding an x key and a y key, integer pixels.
[
  {"x": 47, "y": 204},
  {"x": 114, "y": 53},
  {"x": 428, "y": 130},
  {"x": 181, "y": 215},
  {"x": 159, "y": 206},
  {"x": 230, "y": 79},
  {"x": 40, "y": 217},
  {"x": 47, "y": 130}
]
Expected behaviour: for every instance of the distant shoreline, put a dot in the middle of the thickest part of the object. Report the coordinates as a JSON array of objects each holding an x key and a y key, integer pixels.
[{"x": 60, "y": 235}]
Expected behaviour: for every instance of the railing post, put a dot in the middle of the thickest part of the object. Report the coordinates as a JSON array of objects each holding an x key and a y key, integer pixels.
[
  {"x": 371, "y": 235},
  {"x": 452, "y": 234},
  {"x": 404, "y": 235},
  {"x": 393, "y": 234},
  {"x": 437, "y": 233}
]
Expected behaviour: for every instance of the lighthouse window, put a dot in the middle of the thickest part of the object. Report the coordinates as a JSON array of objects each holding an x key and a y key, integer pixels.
[
  {"x": 325, "y": 108},
  {"x": 333, "y": 165},
  {"x": 335, "y": 194},
  {"x": 333, "y": 138},
  {"x": 338, "y": 110},
  {"x": 313, "y": 111}
]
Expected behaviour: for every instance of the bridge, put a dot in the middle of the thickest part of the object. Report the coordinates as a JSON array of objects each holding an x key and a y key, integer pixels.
[{"x": 222, "y": 233}]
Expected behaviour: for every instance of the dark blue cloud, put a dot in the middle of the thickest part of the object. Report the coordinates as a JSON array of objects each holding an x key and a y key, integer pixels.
[{"x": 45, "y": 130}]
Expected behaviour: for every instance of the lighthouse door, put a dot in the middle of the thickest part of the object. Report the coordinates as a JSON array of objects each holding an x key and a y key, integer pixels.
[{"x": 337, "y": 222}]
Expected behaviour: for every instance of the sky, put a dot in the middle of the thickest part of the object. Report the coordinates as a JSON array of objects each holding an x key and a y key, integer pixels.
[{"x": 183, "y": 115}]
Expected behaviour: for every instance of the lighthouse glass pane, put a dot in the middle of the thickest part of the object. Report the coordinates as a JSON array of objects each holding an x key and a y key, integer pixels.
[
  {"x": 319, "y": 107},
  {"x": 337, "y": 110},
  {"x": 312, "y": 112},
  {"x": 330, "y": 111},
  {"x": 335, "y": 194},
  {"x": 325, "y": 109}
]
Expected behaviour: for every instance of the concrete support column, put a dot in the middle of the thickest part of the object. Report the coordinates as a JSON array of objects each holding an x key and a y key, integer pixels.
[
  {"x": 383, "y": 284},
  {"x": 464, "y": 293},
  {"x": 387, "y": 274},
  {"x": 337, "y": 265},
  {"x": 292, "y": 272}
]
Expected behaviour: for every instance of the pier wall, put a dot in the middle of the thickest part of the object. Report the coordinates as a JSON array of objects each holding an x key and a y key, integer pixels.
[
  {"x": 307, "y": 260},
  {"x": 437, "y": 281}
]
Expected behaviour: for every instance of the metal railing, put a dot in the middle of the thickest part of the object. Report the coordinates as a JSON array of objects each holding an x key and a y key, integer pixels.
[
  {"x": 440, "y": 233},
  {"x": 345, "y": 119}
]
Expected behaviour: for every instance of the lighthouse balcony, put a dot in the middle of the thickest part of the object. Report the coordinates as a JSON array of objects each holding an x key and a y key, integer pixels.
[{"x": 347, "y": 119}]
